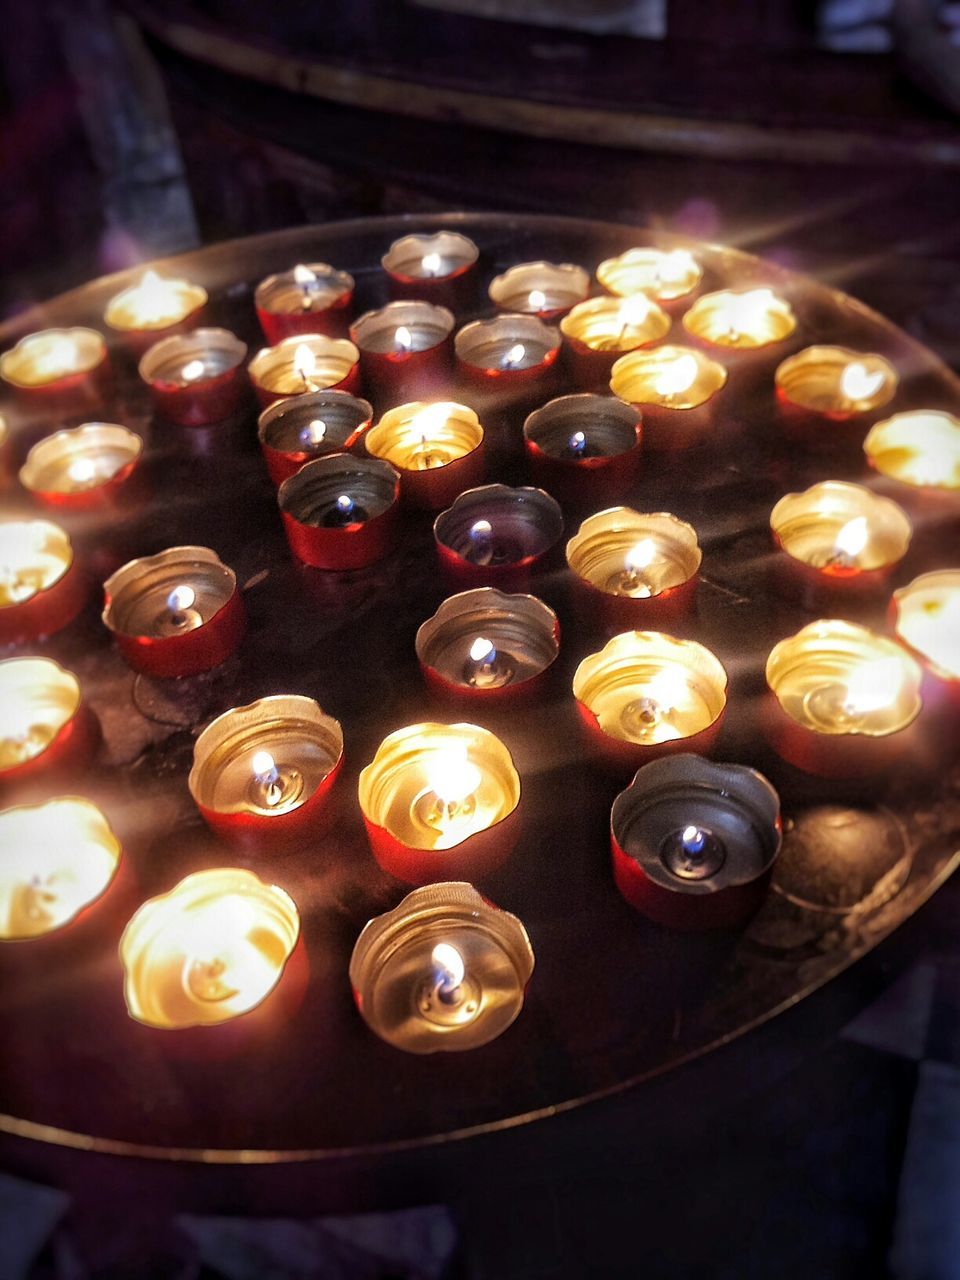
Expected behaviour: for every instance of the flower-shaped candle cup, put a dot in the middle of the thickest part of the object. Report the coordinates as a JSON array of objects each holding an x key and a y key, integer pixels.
[
  {"x": 445, "y": 970},
  {"x": 154, "y": 308},
  {"x": 597, "y": 332},
  {"x": 920, "y": 448},
  {"x": 822, "y": 385},
  {"x": 665, "y": 274},
  {"x": 488, "y": 647},
  {"x": 584, "y": 449},
  {"x": 840, "y": 541},
  {"x": 81, "y": 468},
  {"x": 437, "y": 449},
  {"x": 298, "y": 429},
  {"x": 340, "y": 512},
  {"x": 509, "y": 350},
  {"x": 926, "y": 618},
  {"x": 44, "y": 725},
  {"x": 675, "y": 388},
  {"x": 842, "y": 700},
  {"x": 496, "y": 535},
  {"x": 633, "y": 569},
  {"x": 309, "y": 298},
  {"x": 263, "y": 773},
  {"x": 58, "y": 859},
  {"x": 212, "y": 949},
  {"x": 441, "y": 801},
  {"x": 694, "y": 842},
  {"x": 175, "y": 613},
  {"x": 740, "y": 322},
  {"x": 194, "y": 378},
  {"x": 302, "y": 364},
  {"x": 437, "y": 266},
  {"x": 544, "y": 289},
  {"x": 406, "y": 348},
  {"x": 41, "y": 586},
  {"x": 646, "y": 694},
  {"x": 63, "y": 368}
]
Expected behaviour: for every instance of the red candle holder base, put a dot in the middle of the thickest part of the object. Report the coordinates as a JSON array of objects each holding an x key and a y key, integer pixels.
[
  {"x": 261, "y": 832},
  {"x": 189, "y": 654},
  {"x": 728, "y": 908},
  {"x": 475, "y": 858},
  {"x": 601, "y": 610},
  {"x": 834, "y": 755}
]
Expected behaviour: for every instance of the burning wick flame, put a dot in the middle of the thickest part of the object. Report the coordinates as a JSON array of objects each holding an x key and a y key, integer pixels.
[
  {"x": 872, "y": 686},
  {"x": 431, "y": 264},
  {"x": 514, "y": 355},
  {"x": 452, "y": 776},
  {"x": 640, "y": 556},
  {"x": 481, "y": 530},
  {"x": 82, "y": 471},
  {"x": 537, "y": 300},
  {"x": 448, "y": 967},
  {"x": 403, "y": 338},
  {"x": 483, "y": 651},
  {"x": 693, "y": 840},
  {"x": 674, "y": 266},
  {"x": 429, "y": 422},
  {"x": 313, "y": 433},
  {"x": 858, "y": 383},
  {"x": 633, "y": 311},
  {"x": 344, "y": 504},
  {"x": 181, "y": 598},
  {"x": 192, "y": 370},
  {"x": 577, "y": 442},
  {"x": 303, "y": 276},
  {"x": 267, "y": 775},
  {"x": 677, "y": 377},
  {"x": 851, "y": 539},
  {"x": 745, "y": 310},
  {"x": 221, "y": 962},
  {"x": 304, "y": 363}
]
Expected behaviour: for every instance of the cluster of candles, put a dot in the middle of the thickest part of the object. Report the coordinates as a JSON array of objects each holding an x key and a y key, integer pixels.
[{"x": 692, "y": 842}]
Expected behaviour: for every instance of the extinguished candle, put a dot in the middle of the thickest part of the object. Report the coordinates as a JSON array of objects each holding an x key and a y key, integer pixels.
[
  {"x": 154, "y": 302},
  {"x": 740, "y": 320},
  {"x": 664, "y": 274},
  {"x": 836, "y": 382},
  {"x": 919, "y": 448}
]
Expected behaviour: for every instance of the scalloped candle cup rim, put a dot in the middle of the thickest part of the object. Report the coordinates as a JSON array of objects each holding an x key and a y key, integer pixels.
[
  {"x": 192, "y": 344},
  {"x": 179, "y": 563},
  {"x": 111, "y": 435},
  {"x": 889, "y": 529},
  {"x": 194, "y": 294},
  {"x": 63, "y": 551},
  {"x": 422, "y": 243},
  {"x": 75, "y": 334},
  {"x": 947, "y": 580},
  {"x": 45, "y": 672}
]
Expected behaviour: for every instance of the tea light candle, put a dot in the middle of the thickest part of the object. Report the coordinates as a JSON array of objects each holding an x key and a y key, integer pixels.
[
  {"x": 511, "y": 348},
  {"x": 210, "y": 950},
  {"x": 740, "y": 319},
  {"x": 439, "y": 267},
  {"x": 664, "y": 274},
  {"x": 65, "y": 364},
  {"x": 839, "y": 538},
  {"x": 82, "y": 467},
  {"x": 833, "y": 384},
  {"x": 309, "y": 298},
  {"x": 264, "y": 772},
  {"x": 304, "y": 363},
  {"x": 298, "y": 429},
  {"x": 43, "y": 724},
  {"x": 630, "y": 567},
  {"x": 926, "y": 618},
  {"x": 489, "y": 647},
  {"x": 58, "y": 859},
  {"x": 584, "y": 448},
  {"x": 496, "y": 535},
  {"x": 920, "y": 448},
  {"x": 445, "y": 970},
  {"x": 404, "y": 347},
  {"x": 340, "y": 512},
  {"x": 440, "y": 800},
  {"x": 693, "y": 843},
  {"x": 842, "y": 697},
  {"x": 596, "y": 332},
  {"x": 41, "y": 586},
  {"x": 194, "y": 378},
  {"x": 175, "y": 613},
  {"x": 675, "y": 388},
  {"x": 144, "y": 310},
  {"x": 646, "y": 694},
  {"x": 436, "y": 448},
  {"x": 544, "y": 289}
]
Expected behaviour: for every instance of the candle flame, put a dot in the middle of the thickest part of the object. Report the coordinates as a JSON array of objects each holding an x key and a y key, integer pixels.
[
  {"x": 451, "y": 774},
  {"x": 641, "y": 555},
  {"x": 82, "y": 470},
  {"x": 180, "y": 598},
  {"x": 668, "y": 688},
  {"x": 692, "y": 835},
  {"x": 448, "y": 962},
  {"x": 577, "y": 441},
  {"x": 515, "y": 354},
  {"x": 634, "y": 310},
  {"x": 314, "y": 432},
  {"x": 304, "y": 362},
  {"x": 481, "y": 529},
  {"x": 745, "y": 311},
  {"x": 264, "y": 766},
  {"x": 852, "y": 538},
  {"x": 482, "y": 649},
  {"x": 428, "y": 423},
  {"x": 192, "y": 370},
  {"x": 858, "y": 383},
  {"x": 537, "y": 300},
  {"x": 344, "y": 504},
  {"x": 873, "y": 685},
  {"x": 431, "y": 263},
  {"x": 675, "y": 266},
  {"x": 303, "y": 276},
  {"x": 403, "y": 338},
  {"x": 677, "y": 377}
]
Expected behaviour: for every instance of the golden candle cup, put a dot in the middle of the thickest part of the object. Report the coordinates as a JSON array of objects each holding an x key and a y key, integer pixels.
[
  {"x": 836, "y": 382},
  {"x": 665, "y": 274},
  {"x": 51, "y": 356},
  {"x": 302, "y": 363},
  {"x": 71, "y": 465},
  {"x": 154, "y": 302},
  {"x": 436, "y": 447},
  {"x": 546, "y": 289},
  {"x": 38, "y": 699},
  {"x": 926, "y": 615},
  {"x": 920, "y": 448},
  {"x": 740, "y": 319}
]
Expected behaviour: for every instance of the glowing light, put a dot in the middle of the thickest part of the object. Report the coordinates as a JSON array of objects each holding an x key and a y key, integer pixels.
[
  {"x": 858, "y": 383},
  {"x": 82, "y": 471},
  {"x": 448, "y": 963},
  {"x": 745, "y": 311},
  {"x": 514, "y": 355},
  {"x": 633, "y": 310},
  {"x": 429, "y": 422},
  {"x": 674, "y": 267},
  {"x": 577, "y": 442},
  {"x": 482, "y": 650},
  {"x": 668, "y": 688},
  {"x": 192, "y": 370},
  {"x": 264, "y": 766},
  {"x": 452, "y": 776},
  {"x": 304, "y": 363},
  {"x": 852, "y": 538},
  {"x": 403, "y": 338},
  {"x": 303, "y": 276},
  {"x": 431, "y": 264},
  {"x": 872, "y": 686},
  {"x": 181, "y": 598},
  {"x": 640, "y": 556},
  {"x": 481, "y": 529},
  {"x": 677, "y": 377},
  {"x": 313, "y": 433},
  {"x": 537, "y": 300},
  {"x": 344, "y": 504}
]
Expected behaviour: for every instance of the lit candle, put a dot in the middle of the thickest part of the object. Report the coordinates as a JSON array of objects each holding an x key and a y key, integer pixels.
[
  {"x": 444, "y": 440},
  {"x": 304, "y": 363},
  {"x": 646, "y": 693},
  {"x": 544, "y": 289},
  {"x": 83, "y": 466},
  {"x": 340, "y": 511},
  {"x": 496, "y": 534},
  {"x": 437, "y": 266},
  {"x": 596, "y": 332},
  {"x": 211, "y": 949},
  {"x": 404, "y": 346},
  {"x": 194, "y": 378},
  {"x": 152, "y": 304},
  {"x": 42, "y": 724},
  {"x": 510, "y": 345},
  {"x": 675, "y": 388},
  {"x": 926, "y": 617},
  {"x": 665, "y": 274},
  {"x": 310, "y": 298},
  {"x": 58, "y": 858},
  {"x": 444, "y": 970},
  {"x": 440, "y": 800},
  {"x": 920, "y": 448},
  {"x": 584, "y": 448},
  {"x": 58, "y": 362},
  {"x": 740, "y": 319},
  {"x": 41, "y": 587},
  {"x": 833, "y": 384}
]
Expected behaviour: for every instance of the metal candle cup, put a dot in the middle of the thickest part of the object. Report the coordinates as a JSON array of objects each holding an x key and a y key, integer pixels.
[
  {"x": 496, "y": 535},
  {"x": 664, "y": 274},
  {"x": 81, "y": 468},
  {"x": 693, "y": 842},
  {"x": 58, "y": 859},
  {"x": 632, "y": 569},
  {"x": 486, "y": 647},
  {"x": 298, "y": 429},
  {"x": 154, "y": 308},
  {"x": 920, "y": 448},
  {"x": 302, "y": 364},
  {"x": 41, "y": 586},
  {"x": 309, "y": 298},
  {"x": 822, "y": 385},
  {"x": 63, "y": 367},
  {"x": 437, "y": 449},
  {"x": 514, "y": 349},
  {"x": 926, "y": 619},
  {"x": 584, "y": 449},
  {"x": 44, "y": 725},
  {"x": 740, "y": 320},
  {"x": 175, "y": 613},
  {"x": 445, "y": 970},
  {"x": 841, "y": 541},
  {"x": 211, "y": 950},
  {"x": 842, "y": 699},
  {"x": 646, "y": 694},
  {"x": 194, "y": 378},
  {"x": 262, "y": 774},
  {"x": 675, "y": 389},
  {"x": 340, "y": 512},
  {"x": 544, "y": 289},
  {"x": 440, "y": 801},
  {"x": 439, "y": 267},
  {"x": 597, "y": 332},
  {"x": 405, "y": 348}
]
